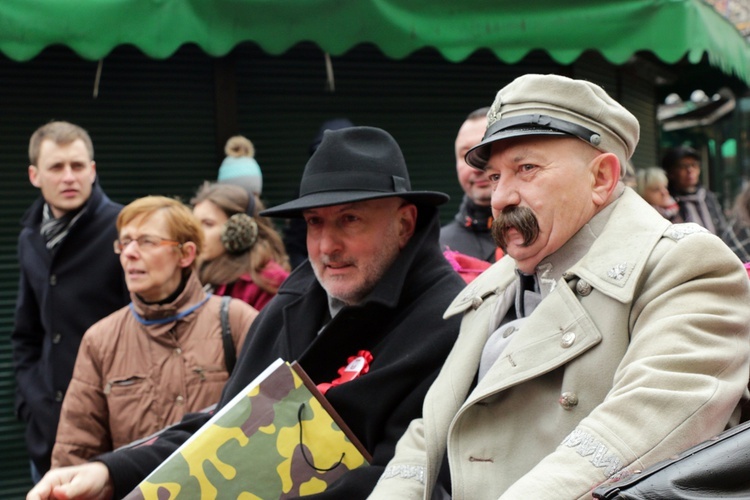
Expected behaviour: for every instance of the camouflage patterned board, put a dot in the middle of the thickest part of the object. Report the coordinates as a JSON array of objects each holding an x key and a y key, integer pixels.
[{"x": 251, "y": 449}]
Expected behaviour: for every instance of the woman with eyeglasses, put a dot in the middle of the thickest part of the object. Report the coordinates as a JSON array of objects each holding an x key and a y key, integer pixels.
[
  {"x": 144, "y": 366},
  {"x": 244, "y": 256}
]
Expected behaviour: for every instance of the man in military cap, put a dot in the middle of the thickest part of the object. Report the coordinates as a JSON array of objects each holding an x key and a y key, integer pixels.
[{"x": 606, "y": 340}]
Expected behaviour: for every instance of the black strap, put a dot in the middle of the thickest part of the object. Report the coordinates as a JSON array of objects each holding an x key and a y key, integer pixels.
[{"x": 230, "y": 355}]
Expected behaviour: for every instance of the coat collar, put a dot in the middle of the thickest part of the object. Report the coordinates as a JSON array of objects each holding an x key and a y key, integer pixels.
[
  {"x": 32, "y": 218},
  {"x": 618, "y": 256},
  {"x": 613, "y": 263},
  {"x": 191, "y": 295},
  {"x": 478, "y": 218}
]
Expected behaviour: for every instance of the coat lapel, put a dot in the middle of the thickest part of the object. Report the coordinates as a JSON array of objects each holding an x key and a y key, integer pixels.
[{"x": 558, "y": 331}]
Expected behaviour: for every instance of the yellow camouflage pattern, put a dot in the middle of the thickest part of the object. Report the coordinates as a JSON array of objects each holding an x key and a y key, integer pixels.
[{"x": 252, "y": 451}]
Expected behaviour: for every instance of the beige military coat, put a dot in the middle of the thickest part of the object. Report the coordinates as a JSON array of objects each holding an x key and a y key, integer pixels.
[{"x": 641, "y": 350}]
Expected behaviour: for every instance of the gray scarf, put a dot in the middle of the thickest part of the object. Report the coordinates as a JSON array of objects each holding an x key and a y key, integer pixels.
[
  {"x": 696, "y": 210},
  {"x": 54, "y": 230}
]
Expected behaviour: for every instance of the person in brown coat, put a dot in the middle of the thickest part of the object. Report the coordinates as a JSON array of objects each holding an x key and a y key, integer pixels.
[{"x": 146, "y": 365}]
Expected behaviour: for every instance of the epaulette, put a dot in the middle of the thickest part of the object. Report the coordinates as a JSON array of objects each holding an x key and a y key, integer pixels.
[{"x": 683, "y": 230}]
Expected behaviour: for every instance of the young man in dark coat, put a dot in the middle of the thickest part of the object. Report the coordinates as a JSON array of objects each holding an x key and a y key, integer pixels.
[
  {"x": 375, "y": 286},
  {"x": 69, "y": 277}
]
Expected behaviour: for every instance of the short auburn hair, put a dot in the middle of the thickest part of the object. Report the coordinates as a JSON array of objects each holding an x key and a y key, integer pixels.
[{"x": 182, "y": 225}]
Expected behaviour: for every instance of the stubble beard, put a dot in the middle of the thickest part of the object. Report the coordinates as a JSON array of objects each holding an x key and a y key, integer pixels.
[{"x": 369, "y": 273}]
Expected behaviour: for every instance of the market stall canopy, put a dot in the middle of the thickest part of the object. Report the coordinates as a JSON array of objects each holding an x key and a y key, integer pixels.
[{"x": 671, "y": 29}]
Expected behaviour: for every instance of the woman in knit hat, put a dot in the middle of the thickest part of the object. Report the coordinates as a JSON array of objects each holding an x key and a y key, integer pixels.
[{"x": 244, "y": 256}]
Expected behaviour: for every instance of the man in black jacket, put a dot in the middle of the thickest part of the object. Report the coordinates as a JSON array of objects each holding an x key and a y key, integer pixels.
[
  {"x": 469, "y": 231},
  {"x": 375, "y": 286},
  {"x": 69, "y": 277}
]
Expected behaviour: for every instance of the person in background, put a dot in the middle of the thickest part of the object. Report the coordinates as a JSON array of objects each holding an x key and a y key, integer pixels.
[
  {"x": 469, "y": 231},
  {"x": 652, "y": 185},
  {"x": 370, "y": 297},
  {"x": 606, "y": 340},
  {"x": 737, "y": 232},
  {"x": 146, "y": 365},
  {"x": 69, "y": 278},
  {"x": 697, "y": 204},
  {"x": 240, "y": 166},
  {"x": 295, "y": 229},
  {"x": 244, "y": 256}
]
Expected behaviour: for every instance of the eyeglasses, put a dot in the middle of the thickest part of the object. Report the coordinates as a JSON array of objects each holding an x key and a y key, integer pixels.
[{"x": 146, "y": 243}]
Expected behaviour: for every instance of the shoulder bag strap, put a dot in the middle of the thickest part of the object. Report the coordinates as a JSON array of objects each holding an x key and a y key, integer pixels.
[{"x": 230, "y": 354}]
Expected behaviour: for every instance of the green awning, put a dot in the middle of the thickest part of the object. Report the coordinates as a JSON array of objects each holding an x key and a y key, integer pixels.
[{"x": 671, "y": 29}]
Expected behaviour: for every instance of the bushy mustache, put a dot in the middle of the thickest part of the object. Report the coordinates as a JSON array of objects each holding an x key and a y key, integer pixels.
[{"x": 522, "y": 219}]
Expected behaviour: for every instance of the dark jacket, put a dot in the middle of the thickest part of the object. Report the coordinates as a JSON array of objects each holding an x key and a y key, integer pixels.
[
  {"x": 60, "y": 295},
  {"x": 469, "y": 232},
  {"x": 400, "y": 323}
]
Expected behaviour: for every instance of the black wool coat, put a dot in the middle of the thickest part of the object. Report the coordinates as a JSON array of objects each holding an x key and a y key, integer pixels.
[
  {"x": 400, "y": 323},
  {"x": 60, "y": 295}
]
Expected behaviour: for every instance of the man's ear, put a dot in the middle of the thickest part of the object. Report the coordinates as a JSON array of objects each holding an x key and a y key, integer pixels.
[
  {"x": 606, "y": 171},
  {"x": 407, "y": 214},
  {"x": 188, "y": 254},
  {"x": 34, "y": 176}
]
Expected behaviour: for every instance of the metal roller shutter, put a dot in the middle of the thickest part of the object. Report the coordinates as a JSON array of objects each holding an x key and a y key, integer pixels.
[
  {"x": 153, "y": 130},
  {"x": 421, "y": 100}
]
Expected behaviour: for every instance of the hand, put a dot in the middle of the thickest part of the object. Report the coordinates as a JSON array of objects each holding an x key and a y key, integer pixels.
[{"x": 89, "y": 481}]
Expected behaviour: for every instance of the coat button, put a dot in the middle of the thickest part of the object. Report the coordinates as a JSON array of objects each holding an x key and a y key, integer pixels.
[
  {"x": 56, "y": 338},
  {"x": 509, "y": 331},
  {"x": 476, "y": 301},
  {"x": 583, "y": 288},
  {"x": 179, "y": 400},
  {"x": 177, "y": 351},
  {"x": 53, "y": 280},
  {"x": 59, "y": 396},
  {"x": 568, "y": 339},
  {"x": 568, "y": 400}
]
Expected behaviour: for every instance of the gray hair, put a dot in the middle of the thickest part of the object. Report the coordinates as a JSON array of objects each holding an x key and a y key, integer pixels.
[{"x": 649, "y": 176}]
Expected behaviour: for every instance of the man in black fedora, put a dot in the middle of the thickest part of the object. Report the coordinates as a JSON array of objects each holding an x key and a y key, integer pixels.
[{"x": 373, "y": 292}]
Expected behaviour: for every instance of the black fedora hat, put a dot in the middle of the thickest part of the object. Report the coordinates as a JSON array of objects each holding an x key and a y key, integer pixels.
[{"x": 354, "y": 164}]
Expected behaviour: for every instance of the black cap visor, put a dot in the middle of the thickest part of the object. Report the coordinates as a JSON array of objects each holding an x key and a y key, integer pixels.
[{"x": 523, "y": 125}]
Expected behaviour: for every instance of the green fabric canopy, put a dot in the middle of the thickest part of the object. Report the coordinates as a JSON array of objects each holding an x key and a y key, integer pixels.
[{"x": 671, "y": 29}]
